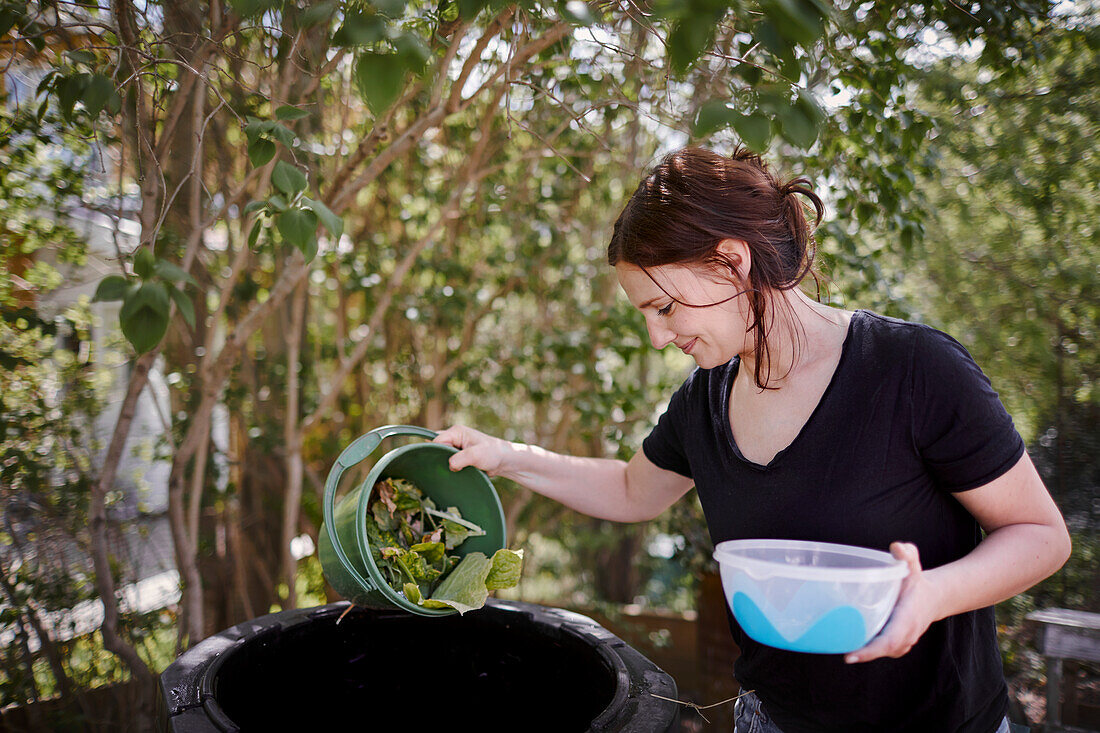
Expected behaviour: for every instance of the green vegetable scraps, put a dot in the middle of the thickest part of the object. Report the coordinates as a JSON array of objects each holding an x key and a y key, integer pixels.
[{"x": 412, "y": 542}]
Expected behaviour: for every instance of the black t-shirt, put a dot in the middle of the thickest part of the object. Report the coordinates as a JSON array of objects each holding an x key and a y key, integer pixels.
[{"x": 907, "y": 418}]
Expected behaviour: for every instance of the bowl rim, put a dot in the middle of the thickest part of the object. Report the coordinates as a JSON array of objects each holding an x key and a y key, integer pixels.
[{"x": 727, "y": 553}]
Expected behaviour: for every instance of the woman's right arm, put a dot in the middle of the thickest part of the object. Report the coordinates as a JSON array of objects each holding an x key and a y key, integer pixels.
[{"x": 599, "y": 487}]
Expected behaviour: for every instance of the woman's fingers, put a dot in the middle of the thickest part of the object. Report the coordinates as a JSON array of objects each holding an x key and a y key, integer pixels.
[
  {"x": 911, "y": 616},
  {"x": 474, "y": 448}
]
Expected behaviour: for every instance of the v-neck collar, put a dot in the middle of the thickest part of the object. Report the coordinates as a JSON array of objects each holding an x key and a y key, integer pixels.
[{"x": 727, "y": 387}]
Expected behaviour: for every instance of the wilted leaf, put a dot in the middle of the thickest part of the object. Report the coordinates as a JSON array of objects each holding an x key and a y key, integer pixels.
[
  {"x": 464, "y": 587},
  {"x": 506, "y": 568}
]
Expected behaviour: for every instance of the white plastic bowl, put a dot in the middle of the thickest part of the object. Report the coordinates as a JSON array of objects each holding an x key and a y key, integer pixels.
[{"x": 809, "y": 596}]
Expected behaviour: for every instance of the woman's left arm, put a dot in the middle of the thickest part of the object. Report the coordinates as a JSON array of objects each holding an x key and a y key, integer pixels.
[{"x": 1026, "y": 540}]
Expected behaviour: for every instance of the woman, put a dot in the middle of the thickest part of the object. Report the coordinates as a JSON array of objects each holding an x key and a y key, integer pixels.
[{"x": 808, "y": 422}]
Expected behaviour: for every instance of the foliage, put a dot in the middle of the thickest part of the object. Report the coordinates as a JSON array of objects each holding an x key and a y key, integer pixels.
[
  {"x": 412, "y": 542},
  {"x": 352, "y": 214}
]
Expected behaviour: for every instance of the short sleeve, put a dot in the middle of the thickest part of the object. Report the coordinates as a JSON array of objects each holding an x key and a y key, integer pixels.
[
  {"x": 664, "y": 446},
  {"x": 964, "y": 435}
]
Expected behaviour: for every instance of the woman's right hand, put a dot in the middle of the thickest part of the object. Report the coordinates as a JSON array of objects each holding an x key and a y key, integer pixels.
[{"x": 476, "y": 449}]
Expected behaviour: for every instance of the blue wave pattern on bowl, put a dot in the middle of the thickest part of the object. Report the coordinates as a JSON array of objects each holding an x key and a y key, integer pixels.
[{"x": 839, "y": 631}]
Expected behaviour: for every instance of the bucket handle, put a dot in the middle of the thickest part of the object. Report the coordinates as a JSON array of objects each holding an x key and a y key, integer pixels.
[{"x": 351, "y": 456}]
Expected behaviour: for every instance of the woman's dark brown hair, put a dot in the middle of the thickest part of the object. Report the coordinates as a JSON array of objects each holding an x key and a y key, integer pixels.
[{"x": 695, "y": 198}]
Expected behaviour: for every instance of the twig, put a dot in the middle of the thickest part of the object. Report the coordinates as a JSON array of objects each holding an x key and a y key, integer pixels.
[
  {"x": 345, "y": 613},
  {"x": 700, "y": 708}
]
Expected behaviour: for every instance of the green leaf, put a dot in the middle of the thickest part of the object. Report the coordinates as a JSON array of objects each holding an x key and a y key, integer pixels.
[
  {"x": 80, "y": 56},
  {"x": 380, "y": 77},
  {"x": 469, "y": 9},
  {"x": 287, "y": 178},
  {"x": 810, "y": 107},
  {"x": 454, "y": 534},
  {"x": 260, "y": 151},
  {"x": 413, "y": 51},
  {"x": 165, "y": 270},
  {"x": 184, "y": 304},
  {"x": 392, "y": 8},
  {"x": 317, "y": 14},
  {"x": 99, "y": 93},
  {"x": 144, "y": 262},
  {"x": 464, "y": 587},
  {"x": 506, "y": 569},
  {"x": 690, "y": 36},
  {"x": 112, "y": 287},
  {"x": 299, "y": 228},
  {"x": 797, "y": 127},
  {"x": 796, "y": 20},
  {"x": 69, "y": 90},
  {"x": 289, "y": 112},
  {"x": 769, "y": 35},
  {"x": 713, "y": 116},
  {"x": 755, "y": 130},
  {"x": 282, "y": 133},
  {"x": 254, "y": 234},
  {"x": 144, "y": 316},
  {"x": 49, "y": 80},
  {"x": 333, "y": 223},
  {"x": 253, "y": 206},
  {"x": 360, "y": 28},
  {"x": 252, "y": 8}
]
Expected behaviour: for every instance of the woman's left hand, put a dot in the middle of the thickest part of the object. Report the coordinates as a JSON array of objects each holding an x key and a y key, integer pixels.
[{"x": 914, "y": 611}]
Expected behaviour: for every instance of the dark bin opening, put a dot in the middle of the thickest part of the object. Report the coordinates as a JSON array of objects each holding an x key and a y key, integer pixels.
[
  {"x": 464, "y": 669},
  {"x": 510, "y": 666}
]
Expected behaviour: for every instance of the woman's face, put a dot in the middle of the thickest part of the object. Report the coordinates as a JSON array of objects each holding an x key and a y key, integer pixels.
[{"x": 712, "y": 335}]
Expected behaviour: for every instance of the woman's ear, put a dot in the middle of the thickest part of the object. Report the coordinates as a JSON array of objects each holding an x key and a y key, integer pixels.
[{"x": 737, "y": 256}]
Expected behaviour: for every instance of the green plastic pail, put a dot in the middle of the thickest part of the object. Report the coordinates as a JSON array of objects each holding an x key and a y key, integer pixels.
[{"x": 343, "y": 545}]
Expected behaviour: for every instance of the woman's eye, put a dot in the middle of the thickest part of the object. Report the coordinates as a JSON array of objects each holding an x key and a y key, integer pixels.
[{"x": 665, "y": 311}]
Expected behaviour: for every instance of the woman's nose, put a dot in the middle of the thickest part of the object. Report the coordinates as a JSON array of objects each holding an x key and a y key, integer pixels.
[{"x": 659, "y": 335}]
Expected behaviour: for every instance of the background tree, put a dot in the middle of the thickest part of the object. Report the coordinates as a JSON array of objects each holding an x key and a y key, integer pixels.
[{"x": 352, "y": 214}]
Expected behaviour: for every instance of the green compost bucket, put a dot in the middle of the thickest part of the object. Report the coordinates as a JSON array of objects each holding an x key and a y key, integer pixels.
[{"x": 343, "y": 545}]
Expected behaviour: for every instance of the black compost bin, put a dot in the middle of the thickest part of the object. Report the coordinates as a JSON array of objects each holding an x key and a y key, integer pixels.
[{"x": 510, "y": 666}]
